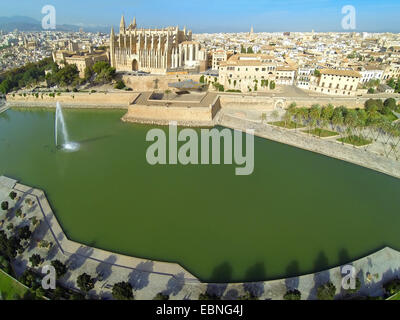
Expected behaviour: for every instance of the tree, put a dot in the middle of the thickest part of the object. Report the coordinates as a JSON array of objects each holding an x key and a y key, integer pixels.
[
  {"x": 24, "y": 233},
  {"x": 122, "y": 291},
  {"x": 390, "y": 103},
  {"x": 317, "y": 73},
  {"x": 35, "y": 260},
  {"x": 104, "y": 72},
  {"x": 161, "y": 296},
  {"x": 4, "y": 205},
  {"x": 60, "y": 268},
  {"x": 287, "y": 117},
  {"x": 202, "y": 79},
  {"x": 357, "y": 287},
  {"x": 275, "y": 114},
  {"x": 13, "y": 195},
  {"x": 88, "y": 73},
  {"x": 76, "y": 296},
  {"x": 392, "y": 287},
  {"x": 326, "y": 291},
  {"x": 59, "y": 293},
  {"x": 9, "y": 246},
  {"x": 263, "y": 117},
  {"x": 208, "y": 296},
  {"x": 326, "y": 114},
  {"x": 167, "y": 93},
  {"x": 29, "y": 279},
  {"x": 119, "y": 85},
  {"x": 370, "y": 103},
  {"x": 85, "y": 282},
  {"x": 314, "y": 115},
  {"x": 272, "y": 85},
  {"x": 292, "y": 295},
  {"x": 250, "y": 50}
]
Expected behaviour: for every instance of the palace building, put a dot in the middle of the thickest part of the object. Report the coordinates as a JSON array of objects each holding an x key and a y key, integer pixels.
[{"x": 158, "y": 51}]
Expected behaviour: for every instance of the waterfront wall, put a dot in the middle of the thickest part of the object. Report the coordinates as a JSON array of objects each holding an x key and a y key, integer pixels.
[
  {"x": 122, "y": 99},
  {"x": 185, "y": 114},
  {"x": 154, "y": 82},
  {"x": 75, "y": 99},
  {"x": 162, "y": 115},
  {"x": 332, "y": 149},
  {"x": 268, "y": 103}
]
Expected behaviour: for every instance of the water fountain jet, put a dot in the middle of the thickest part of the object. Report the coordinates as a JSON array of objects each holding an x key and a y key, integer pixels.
[{"x": 60, "y": 124}]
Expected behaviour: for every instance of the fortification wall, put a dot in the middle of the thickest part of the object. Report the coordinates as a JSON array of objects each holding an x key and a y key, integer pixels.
[
  {"x": 75, "y": 99},
  {"x": 267, "y": 103},
  {"x": 154, "y": 82},
  {"x": 185, "y": 116}
]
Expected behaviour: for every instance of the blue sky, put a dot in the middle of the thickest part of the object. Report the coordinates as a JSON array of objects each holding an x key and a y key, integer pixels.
[{"x": 219, "y": 15}]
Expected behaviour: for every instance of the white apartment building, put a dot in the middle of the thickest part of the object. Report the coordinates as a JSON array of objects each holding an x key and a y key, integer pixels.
[
  {"x": 391, "y": 71},
  {"x": 370, "y": 73},
  {"x": 219, "y": 56},
  {"x": 338, "y": 82},
  {"x": 285, "y": 75},
  {"x": 304, "y": 75},
  {"x": 248, "y": 72}
]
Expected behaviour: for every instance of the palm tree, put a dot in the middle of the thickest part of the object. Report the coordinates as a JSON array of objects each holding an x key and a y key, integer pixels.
[
  {"x": 350, "y": 120},
  {"x": 167, "y": 92},
  {"x": 287, "y": 117},
  {"x": 275, "y": 114},
  {"x": 337, "y": 119},
  {"x": 326, "y": 114},
  {"x": 263, "y": 117},
  {"x": 314, "y": 116}
]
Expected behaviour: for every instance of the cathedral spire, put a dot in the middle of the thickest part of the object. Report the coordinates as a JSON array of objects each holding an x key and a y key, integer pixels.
[
  {"x": 122, "y": 26},
  {"x": 134, "y": 22}
]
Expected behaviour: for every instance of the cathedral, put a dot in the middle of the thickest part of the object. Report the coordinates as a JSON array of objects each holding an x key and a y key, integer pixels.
[{"x": 158, "y": 51}]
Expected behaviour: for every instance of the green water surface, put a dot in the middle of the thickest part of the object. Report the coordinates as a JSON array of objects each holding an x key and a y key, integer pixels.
[{"x": 298, "y": 212}]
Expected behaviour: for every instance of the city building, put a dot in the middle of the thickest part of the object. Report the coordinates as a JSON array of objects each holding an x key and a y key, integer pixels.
[
  {"x": 247, "y": 72},
  {"x": 219, "y": 56},
  {"x": 155, "y": 50},
  {"x": 337, "y": 82},
  {"x": 81, "y": 59},
  {"x": 369, "y": 73}
]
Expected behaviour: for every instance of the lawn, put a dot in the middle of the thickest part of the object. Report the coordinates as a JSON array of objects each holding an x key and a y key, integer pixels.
[
  {"x": 321, "y": 133},
  {"x": 10, "y": 288},
  {"x": 395, "y": 297},
  {"x": 355, "y": 140},
  {"x": 287, "y": 125},
  {"x": 391, "y": 117}
]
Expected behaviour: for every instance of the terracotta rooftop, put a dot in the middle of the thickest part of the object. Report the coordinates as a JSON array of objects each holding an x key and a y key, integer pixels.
[{"x": 346, "y": 73}]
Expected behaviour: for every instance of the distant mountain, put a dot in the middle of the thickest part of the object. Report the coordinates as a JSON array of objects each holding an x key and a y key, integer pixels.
[
  {"x": 22, "y": 23},
  {"x": 18, "y": 22}
]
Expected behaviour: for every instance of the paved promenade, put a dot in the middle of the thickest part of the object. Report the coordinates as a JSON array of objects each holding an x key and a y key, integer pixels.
[
  {"x": 151, "y": 277},
  {"x": 328, "y": 147}
]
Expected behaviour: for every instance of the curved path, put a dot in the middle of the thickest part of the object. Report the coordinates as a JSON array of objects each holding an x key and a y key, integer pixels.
[{"x": 151, "y": 277}]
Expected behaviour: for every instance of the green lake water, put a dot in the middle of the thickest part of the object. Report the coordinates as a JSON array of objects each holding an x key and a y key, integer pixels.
[{"x": 297, "y": 213}]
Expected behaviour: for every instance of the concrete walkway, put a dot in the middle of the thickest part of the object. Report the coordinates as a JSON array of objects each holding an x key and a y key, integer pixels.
[
  {"x": 328, "y": 147},
  {"x": 149, "y": 277}
]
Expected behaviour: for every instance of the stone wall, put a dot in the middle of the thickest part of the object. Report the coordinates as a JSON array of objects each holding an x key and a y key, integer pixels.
[
  {"x": 268, "y": 103},
  {"x": 76, "y": 99},
  {"x": 153, "y": 82},
  {"x": 185, "y": 116},
  {"x": 332, "y": 149}
]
